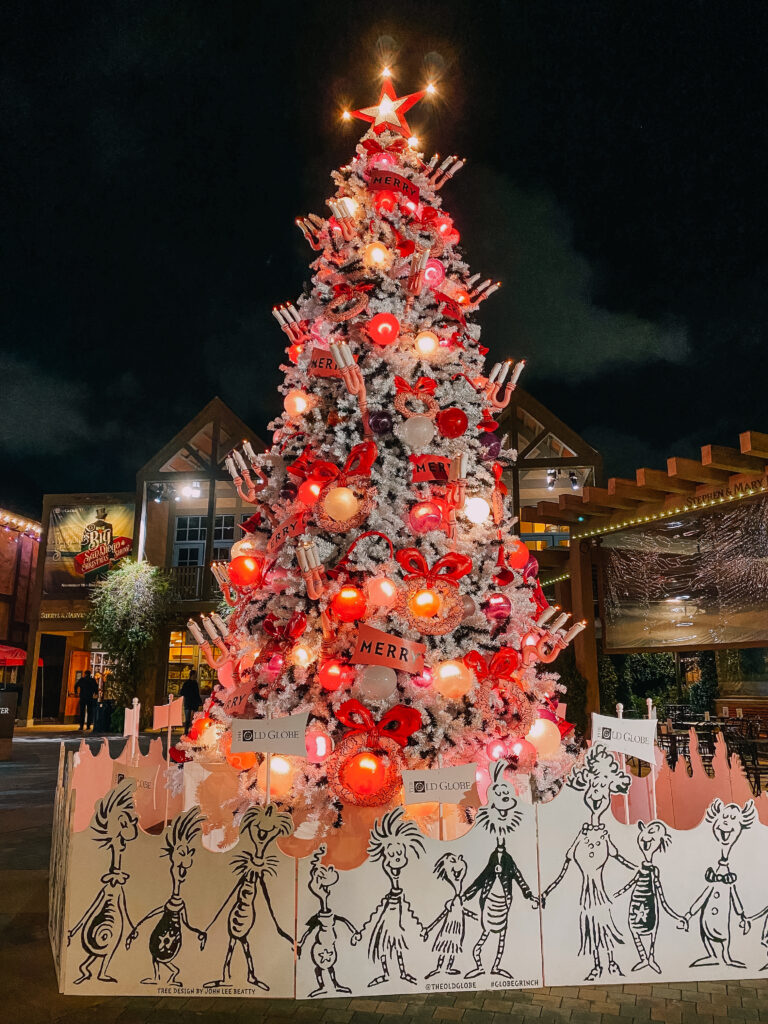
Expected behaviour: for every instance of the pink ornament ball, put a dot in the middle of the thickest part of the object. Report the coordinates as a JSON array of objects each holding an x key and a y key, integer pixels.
[{"x": 497, "y": 608}]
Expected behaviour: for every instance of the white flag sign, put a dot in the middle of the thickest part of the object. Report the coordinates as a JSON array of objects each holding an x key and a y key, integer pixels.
[
  {"x": 270, "y": 735},
  {"x": 166, "y": 715},
  {"x": 131, "y": 724},
  {"x": 439, "y": 785},
  {"x": 633, "y": 736}
]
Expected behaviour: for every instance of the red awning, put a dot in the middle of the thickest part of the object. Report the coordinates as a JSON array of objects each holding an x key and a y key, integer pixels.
[{"x": 11, "y": 656}]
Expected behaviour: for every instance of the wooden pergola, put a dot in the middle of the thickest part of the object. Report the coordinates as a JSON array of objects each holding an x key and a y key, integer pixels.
[{"x": 721, "y": 475}]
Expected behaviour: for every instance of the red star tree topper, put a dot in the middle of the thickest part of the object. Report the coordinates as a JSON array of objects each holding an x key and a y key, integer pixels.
[{"x": 389, "y": 114}]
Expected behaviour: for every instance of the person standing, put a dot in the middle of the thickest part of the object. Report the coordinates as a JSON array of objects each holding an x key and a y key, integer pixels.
[
  {"x": 190, "y": 692},
  {"x": 86, "y": 688}
]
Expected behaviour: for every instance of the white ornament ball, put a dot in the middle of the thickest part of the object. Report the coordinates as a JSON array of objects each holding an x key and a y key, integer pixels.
[
  {"x": 545, "y": 736},
  {"x": 418, "y": 431},
  {"x": 247, "y": 546},
  {"x": 376, "y": 682},
  {"x": 341, "y": 504}
]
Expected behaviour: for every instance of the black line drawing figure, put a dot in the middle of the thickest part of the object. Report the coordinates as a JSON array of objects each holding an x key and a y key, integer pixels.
[
  {"x": 449, "y": 941},
  {"x": 500, "y": 818},
  {"x": 323, "y": 954},
  {"x": 599, "y": 777},
  {"x": 166, "y": 937},
  {"x": 648, "y": 897},
  {"x": 393, "y": 840},
  {"x": 263, "y": 826},
  {"x": 101, "y": 926},
  {"x": 719, "y": 900}
]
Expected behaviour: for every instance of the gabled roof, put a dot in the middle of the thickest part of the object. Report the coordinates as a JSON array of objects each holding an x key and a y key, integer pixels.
[{"x": 202, "y": 444}]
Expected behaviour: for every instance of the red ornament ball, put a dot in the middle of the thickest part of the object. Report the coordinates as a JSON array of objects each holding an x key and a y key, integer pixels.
[
  {"x": 365, "y": 774},
  {"x": 385, "y": 202},
  {"x": 424, "y": 516},
  {"x": 349, "y": 604},
  {"x": 245, "y": 571},
  {"x": 383, "y": 328},
  {"x": 518, "y": 554},
  {"x": 309, "y": 492},
  {"x": 335, "y": 675},
  {"x": 452, "y": 422}
]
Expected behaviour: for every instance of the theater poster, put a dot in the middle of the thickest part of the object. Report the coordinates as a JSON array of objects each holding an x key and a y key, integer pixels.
[{"x": 84, "y": 541}]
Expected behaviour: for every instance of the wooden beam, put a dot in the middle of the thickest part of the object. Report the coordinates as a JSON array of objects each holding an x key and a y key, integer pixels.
[
  {"x": 728, "y": 458},
  {"x": 632, "y": 491},
  {"x": 690, "y": 469},
  {"x": 602, "y": 496},
  {"x": 658, "y": 480},
  {"x": 577, "y": 503},
  {"x": 752, "y": 442},
  {"x": 550, "y": 512}
]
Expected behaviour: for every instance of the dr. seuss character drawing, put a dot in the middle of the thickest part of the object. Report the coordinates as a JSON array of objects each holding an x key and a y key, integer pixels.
[
  {"x": 322, "y": 926},
  {"x": 262, "y": 826},
  {"x": 719, "y": 900},
  {"x": 101, "y": 927},
  {"x": 393, "y": 841},
  {"x": 451, "y": 922},
  {"x": 598, "y": 778},
  {"x": 165, "y": 939},
  {"x": 494, "y": 884},
  {"x": 647, "y": 898}
]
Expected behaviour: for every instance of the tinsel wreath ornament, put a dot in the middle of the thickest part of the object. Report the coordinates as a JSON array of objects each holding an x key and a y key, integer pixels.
[
  {"x": 366, "y": 767},
  {"x": 431, "y": 602}
]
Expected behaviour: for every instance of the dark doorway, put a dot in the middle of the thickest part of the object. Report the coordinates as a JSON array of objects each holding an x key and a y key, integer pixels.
[{"x": 49, "y": 678}]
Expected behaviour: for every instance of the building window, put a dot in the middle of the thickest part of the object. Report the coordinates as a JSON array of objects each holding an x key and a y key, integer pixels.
[
  {"x": 190, "y": 528},
  {"x": 188, "y": 554},
  {"x": 224, "y": 528},
  {"x": 183, "y": 655}
]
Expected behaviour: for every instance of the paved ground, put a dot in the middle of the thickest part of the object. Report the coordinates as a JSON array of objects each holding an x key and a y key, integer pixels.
[{"x": 28, "y": 983}]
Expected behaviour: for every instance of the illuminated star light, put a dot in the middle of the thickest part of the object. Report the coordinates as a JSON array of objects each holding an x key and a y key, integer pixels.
[{"x": 389, "y": 114}]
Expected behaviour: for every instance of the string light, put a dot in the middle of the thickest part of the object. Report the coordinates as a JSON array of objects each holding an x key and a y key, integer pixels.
[{"x": 668, "y": 513}]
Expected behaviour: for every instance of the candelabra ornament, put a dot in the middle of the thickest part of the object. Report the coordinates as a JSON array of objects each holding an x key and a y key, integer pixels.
[
  {"x": 353, "y": 378},
  {"x": 291, "y": 323},
  {"x": 312, "y": 227},
  {"x": 415, "y": 281},
  {"x": 492, "y": 390},
  {"x": 482, "y": 292},
  {"x": 544, "y": 645},
  {"x": 344, "y": 211},
  {"x": 439, "y": 175},
  {"x": 216, "y": 634},
  {"x": 456, "y": 491},
  {"x": 312, "y": 571},
  {"x": 221, "y": 576},
  {"x": 242, "y": 477}
]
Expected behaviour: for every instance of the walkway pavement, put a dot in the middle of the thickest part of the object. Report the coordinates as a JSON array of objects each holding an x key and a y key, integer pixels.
[{"x": 28, "y": 982}]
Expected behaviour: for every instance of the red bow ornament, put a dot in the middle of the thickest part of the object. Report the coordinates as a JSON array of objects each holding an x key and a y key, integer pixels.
[
  {"x": 282, "y": 632},
  {"x": 496, "y": 671},
  {"x": 384, "y": 739},
  {"x": 448, "y": 569},
  {"x": 355, "y": 474},
  {"x": 372, "y": 146},
  {"x": 451, "y": 309},
  {"x": 423, "y": 391},
  {"x": 423, "y": 386}
]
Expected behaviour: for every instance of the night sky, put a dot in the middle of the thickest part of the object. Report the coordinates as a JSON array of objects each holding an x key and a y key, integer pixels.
[{"x": 155, "y": 156}]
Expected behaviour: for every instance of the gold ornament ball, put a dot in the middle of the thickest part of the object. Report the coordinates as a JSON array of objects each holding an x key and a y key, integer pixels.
[
  {"x": 545, "y": 736},
  {"x": 341, "y": 504},
  {"x": 452, "y": 679}
]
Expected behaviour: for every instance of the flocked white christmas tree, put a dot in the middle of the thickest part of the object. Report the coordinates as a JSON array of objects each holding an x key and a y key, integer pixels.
[{"x": 381, "y": 519}]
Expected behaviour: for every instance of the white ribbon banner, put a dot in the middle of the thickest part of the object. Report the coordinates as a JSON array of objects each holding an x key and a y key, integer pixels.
[
  {"x": 633, "y": 736},
  {"x": 270, "y": 735},
  {"x": 439, "y": 785}
]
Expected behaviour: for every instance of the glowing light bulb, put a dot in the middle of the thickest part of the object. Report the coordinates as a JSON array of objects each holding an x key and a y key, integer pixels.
[
  {"x": 365, "y": 774},
  {"x": 452, "y": 679},
  {"x": 281, "y": 776},
  {"x": 245, "y": 571},
  {"x": 425, "y": 604},
  {"x": 296, "y": 403},
  {"x": 377, "y": 256},
  {"x": 301, "y": 656},
  {"x": 413, "y": 142},
  {"x": 476, "y": 510},
  {"x": 346, "y": 116},
  {"x": 341, "y": 504},
  {"x": 349, "y": 604},
  {"x": 381, "y": 591},
  {"x": 431, "y": 89},
  {"x": 386, "y": 72},
  {"x": 426, "y": 343}
]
